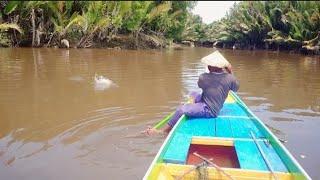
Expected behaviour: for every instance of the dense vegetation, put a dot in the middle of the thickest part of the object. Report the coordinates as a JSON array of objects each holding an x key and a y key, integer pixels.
[
  {"x": 92, "y": 23},
  {"x": 289, "y": 25}
]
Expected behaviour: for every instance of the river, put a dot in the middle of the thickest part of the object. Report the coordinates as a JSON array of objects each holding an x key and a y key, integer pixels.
[{"x": 56, "y": 124}]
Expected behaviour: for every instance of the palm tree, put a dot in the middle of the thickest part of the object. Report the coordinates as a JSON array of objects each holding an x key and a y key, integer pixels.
[
  {"x": 95, "y": 19},
  {"x": 62, "y": 20},
  {"x": 154, "y": 12}
]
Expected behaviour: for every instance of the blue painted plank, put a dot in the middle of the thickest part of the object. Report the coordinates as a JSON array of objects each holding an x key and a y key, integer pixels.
[
  {"x": 233, "y": 109},
  {"x": 198, "y": 127},
  {"x": 223, "y": 127},
  {"x": 249, "y": 156},
  {"x": 274, "y": 159},
  {"x": 241, "y": 128},
  {"x": 178, "y": 149}
]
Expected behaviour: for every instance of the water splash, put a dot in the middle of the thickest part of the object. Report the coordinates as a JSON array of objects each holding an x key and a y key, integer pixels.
[{"x": 102, "y": 83}]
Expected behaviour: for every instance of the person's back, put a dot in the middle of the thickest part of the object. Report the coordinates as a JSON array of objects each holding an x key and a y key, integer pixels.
[{"x": 215, "y": 88}]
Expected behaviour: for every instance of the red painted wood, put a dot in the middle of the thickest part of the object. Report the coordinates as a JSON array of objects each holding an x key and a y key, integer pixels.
[{"x": 223, "y": 156}]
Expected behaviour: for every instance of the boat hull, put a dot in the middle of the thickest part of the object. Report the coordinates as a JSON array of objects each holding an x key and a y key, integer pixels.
[{"x": 236, "y": 141}]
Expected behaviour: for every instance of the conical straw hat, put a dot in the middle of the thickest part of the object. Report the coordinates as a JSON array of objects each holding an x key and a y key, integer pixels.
[{"x": 215, "y": 59}]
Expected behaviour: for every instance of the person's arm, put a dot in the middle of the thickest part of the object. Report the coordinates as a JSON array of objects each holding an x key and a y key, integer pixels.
[
  {"x": 201, "y": 82},
  {"x": 234, "y": 84},
  {"x": 229, "y": 69}
]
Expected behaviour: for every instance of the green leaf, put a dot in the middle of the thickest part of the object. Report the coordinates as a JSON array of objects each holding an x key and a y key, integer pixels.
[
  {"x": 75, "y": 19},
  {"x": 11, "y": 6},
  {"x": 158, "y": 10}
]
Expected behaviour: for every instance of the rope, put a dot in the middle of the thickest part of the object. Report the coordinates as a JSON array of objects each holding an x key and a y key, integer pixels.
[
  {"x": 203, "y": 172},
  {"x": 202, "y": 169},
  {"x": 209, "y": 161},
  {"x": 196, "y": 167}
]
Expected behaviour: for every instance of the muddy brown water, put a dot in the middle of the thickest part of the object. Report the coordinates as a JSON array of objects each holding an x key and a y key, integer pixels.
[{"x": 56, "y": 124}]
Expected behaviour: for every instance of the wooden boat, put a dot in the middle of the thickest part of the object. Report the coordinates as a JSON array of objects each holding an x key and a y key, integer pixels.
[{"x": 235, "y": 145}]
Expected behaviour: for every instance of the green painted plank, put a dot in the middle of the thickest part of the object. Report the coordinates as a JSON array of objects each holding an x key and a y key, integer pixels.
[{"x": 164, "y": 121}]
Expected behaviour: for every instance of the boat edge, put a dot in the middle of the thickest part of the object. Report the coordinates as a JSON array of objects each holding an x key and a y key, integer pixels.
[
  {"x": 272, "y": 135},
  {"x": 169, "y": 136}
]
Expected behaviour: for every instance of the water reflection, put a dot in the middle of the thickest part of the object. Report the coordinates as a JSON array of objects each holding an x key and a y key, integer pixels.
[{"x": 54, "y": 122}]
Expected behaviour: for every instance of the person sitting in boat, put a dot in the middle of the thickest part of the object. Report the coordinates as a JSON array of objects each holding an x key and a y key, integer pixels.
[{"x": 215, "y": 87}]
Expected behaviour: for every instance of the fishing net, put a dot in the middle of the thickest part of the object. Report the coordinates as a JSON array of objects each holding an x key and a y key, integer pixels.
[
  {"x": 202, "y": 172},
  {"x": 200, "y": 169}
]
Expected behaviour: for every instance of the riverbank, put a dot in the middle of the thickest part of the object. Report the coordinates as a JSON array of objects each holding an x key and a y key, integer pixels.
[
  {"x": 147, "y": 41},
  {"x": 302, "y": 49},
  {"x": 280, "y": 26},
  {"x": 128, "y": 43},
  {"x": 121, "y": 41},
  {"x": 153, "y": 41},
  {"x": 127, "y": 25}
]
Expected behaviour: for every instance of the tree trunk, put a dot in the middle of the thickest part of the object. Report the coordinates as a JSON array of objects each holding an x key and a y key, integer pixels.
[
  {"x": 79, "y": 45},
  {"x": 33, "y": 27},
  {"x": 37, "y": 38},
  {"x": 51, "y": 36},
  {"x": 136, "y": 36},
  {"x": 266, "y": 45}
]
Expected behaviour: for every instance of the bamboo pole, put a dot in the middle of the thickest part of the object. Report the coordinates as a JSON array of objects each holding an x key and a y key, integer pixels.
[{"x": 263, "y": 155}]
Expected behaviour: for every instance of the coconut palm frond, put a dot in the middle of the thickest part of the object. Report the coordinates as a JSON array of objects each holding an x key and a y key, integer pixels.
[
  {"x": 7, "y": 26},
  {"x": 11, "y": 6},
  {"x": 158, "y": 10},
  {"x": 75, "y": 20}
]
